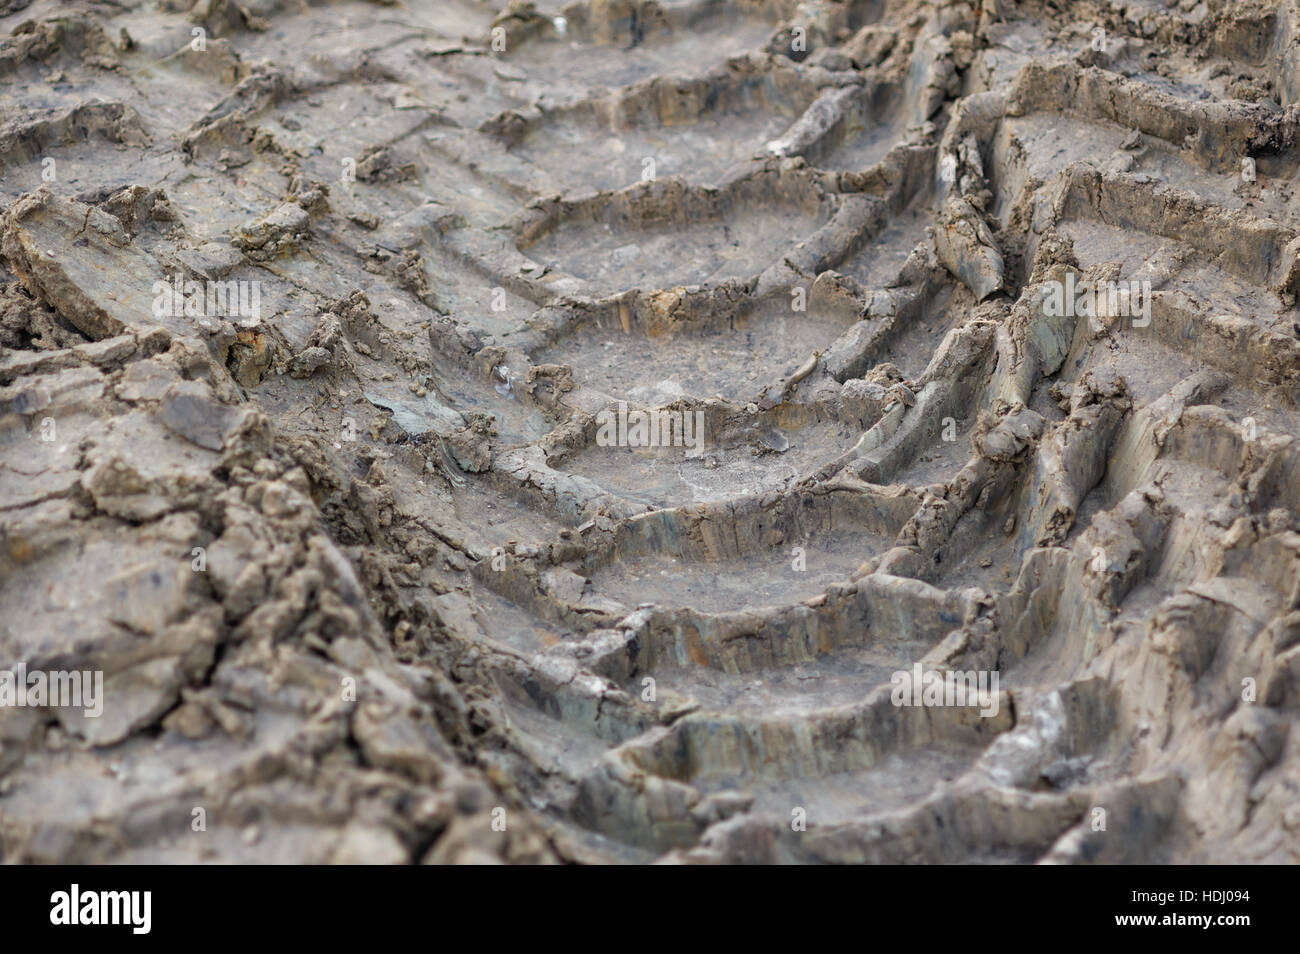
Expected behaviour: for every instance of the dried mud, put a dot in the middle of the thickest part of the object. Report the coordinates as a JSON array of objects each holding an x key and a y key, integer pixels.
[{"x": 363, "y": 580}]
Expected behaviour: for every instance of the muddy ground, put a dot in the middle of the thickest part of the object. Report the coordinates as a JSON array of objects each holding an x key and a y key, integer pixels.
[{"x": 312, "y": 314}]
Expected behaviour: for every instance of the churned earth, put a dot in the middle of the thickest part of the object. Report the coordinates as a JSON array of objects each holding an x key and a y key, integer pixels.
[{"x": 313, "y": 318}]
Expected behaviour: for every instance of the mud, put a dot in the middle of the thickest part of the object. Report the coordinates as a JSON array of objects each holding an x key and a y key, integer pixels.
[{"x": 310, "y": 315}]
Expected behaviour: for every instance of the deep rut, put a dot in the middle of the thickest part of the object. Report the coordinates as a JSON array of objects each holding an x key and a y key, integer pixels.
[{"x": 812, "y": 248}]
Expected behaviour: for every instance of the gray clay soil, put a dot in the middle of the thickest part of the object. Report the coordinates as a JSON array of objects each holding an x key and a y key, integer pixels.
[{"x": 366, "y": 584}]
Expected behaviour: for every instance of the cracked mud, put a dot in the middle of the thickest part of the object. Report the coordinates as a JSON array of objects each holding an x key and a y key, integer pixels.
[{"x": 314, "y": 317}]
